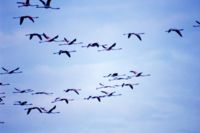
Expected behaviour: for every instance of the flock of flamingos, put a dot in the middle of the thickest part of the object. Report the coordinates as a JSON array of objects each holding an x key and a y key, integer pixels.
[{"x": 44, "y": 38}]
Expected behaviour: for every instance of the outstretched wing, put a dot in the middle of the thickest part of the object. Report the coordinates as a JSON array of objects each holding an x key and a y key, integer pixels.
[
  {"x": 54, "y": 107},
  {"x": 197, "y": 22},
  {"x": 72, "y": 41},
  {"x": 113, "y": 45},
  {"x": 42, "y": 2},
  {"x": 139, "y": 37},
  {"x": 178, "y": 32},
  {"x": 4, "y": 69}
]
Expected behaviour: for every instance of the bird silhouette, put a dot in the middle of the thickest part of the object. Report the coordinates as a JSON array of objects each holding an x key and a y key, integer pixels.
[
  {"x": 120, "y": 78},
  {"x": 65, "y": 52},
  {"x": 109, "y": 94},
  {"x": 74, "y": 90},
  {"x": 33, "y": 108},
  {"x": 47, "y": 5},
  {"x": 25, "y": 17},
  {"x": 2, "y": 84},
  {"x": 62, "y": 99},
  {"x": 109, "y": 48},
  {"x": 198, "y": 24},
  {"x": 42, "y": 93},
  {"x": 22, "y": 91},
  {"x": 1, "y": 98},
  {"x": 70, "y": 42},
  {"x": 49, "y": 39},
  {"x": 26, "y": 4},
  {"x": 178, "y": 31},
  {"x": 138, "y": 35},
  {"x": 50, "y": 111},
  {"x": 139, "y": 74},
  {"x": 98, "y": 98},
  {"x": 105, "y": 86},
  {"x": 129, "y": 85},
  {"x": 22, "y": 103},
  {"x": 10, "y": 71},
  {"x": 113, "y": 75},
  {"x": 95, "y": 44},
  {"x": 39, "y": 36}
]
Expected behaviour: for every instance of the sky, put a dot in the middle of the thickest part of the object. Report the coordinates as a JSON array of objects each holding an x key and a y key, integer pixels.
[{"x": 167, "y": 101}]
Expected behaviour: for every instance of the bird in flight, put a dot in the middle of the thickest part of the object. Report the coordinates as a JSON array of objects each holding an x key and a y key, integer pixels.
[
  {"x": 138, "y": 35},
  {"x": 1, "y": 98},
  {"x": 22, "y": 91},
  {"x": 49, "y": 39},
  {"x": 198, "y": 24},
  {"x": 33, "y": 108},
  {"x": 47, "y": 5},
  {"x": 113, "y": 75},
  {"x": 109, "y": 94},
  {"x": 109, "y": 48},
  {"x": 10, "y": 71},
  {"x": 26, "y": 4},
  {"x": 42, "y": 93},
  {"x": 21, "y": 18},
  {"x": 65, "y": 52},
  {"x": 39, "y": 36},
  {"x": 22, "y": 103},
  {"x": 50, "y": 111},
  {"x": 74, "y": 90},
  {"x": 129, "y": 85},
  {"x": 72, "y": 42},
  {"x": 139, "y": 74},
  {"x": 95, "y": 44},
  {"x": 62, "y": 99},
  {"x": 105, "y": 86},
  {"x": 178, "y": 31}
]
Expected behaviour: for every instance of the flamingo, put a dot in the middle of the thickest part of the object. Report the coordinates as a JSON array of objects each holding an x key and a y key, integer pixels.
[
  {"x": 47, "y": 5},
  {"x": 95, "y": 44},
  {"x": 109, "y": 48},
  {"x": 25, "y": 17},
  {"x": 35, "y": 34},
  {"x": 139, "y": 74},
  {"x": 33, "y": 108},
  {"x": 97, "y": 97},
  {"x": 109, "y": 94},
  {"x": 42, "y": 93},
  {"x": 136, "y": 34},
  {"x": 25, "y": 4},
  {"x": 70, "y": 42},
  {"x": 10, "y": 71},
  {"x": 74, "y": 90},
  {"x": 198, "y": 24},
  {"x": 120, "y": 78},
  {"x": 53, "y": 39},
  {"x": 22, "y": 91},
  {"x": 105, "y": 86},
  {"x": 22, "y": 103},
  {"x": 129, "y": 85},
  {"x": 62, "y": 99},
  {"x": 65, "y": 52},
  {"x": 113, "y": 75},
  {"x": 50, "y": 111},
  {"x": 178, "y": 31}
]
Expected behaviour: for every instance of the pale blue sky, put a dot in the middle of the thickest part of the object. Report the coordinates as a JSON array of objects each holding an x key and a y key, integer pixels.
[{"x": 167, "y": 101}]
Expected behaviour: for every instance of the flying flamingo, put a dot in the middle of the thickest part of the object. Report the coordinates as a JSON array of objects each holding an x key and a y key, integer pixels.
[
  {"x": 33, "y": 108},
  {"x": 25, "y": 4},
  {"x": 22, "y": 103},
  {"x": 70, "y": 42},
  {"x": 2, "y": 84},
  {"x": 129, "y": 85},
  {"x": 74, "y": 90},
  {"x": 39, "y": 36},
  {"x": 178, "y": 31},
  {"x": 50, "y": 111},
  {"x": 113, "y": 75},
  {"x": 65, "y": 52},
  {"x": 105, "y": 86},
  {"x": 49, "y": 39},
  {"x": 109, "y": 94},
  {"x": 62, "y": 99},
  {"x": 138, "y": 35},
  {"x": 47, "y": 5},
  {"x": 109, "y": 48},
  {"x": 42, "y": 93},
  {"x": 139, "y": 74},
  {"x": 10, "y": 71},
  {"x": 95, "y": 44},
  {"x": 25, "y": 17},
  {"x": 22, "y": 91}
]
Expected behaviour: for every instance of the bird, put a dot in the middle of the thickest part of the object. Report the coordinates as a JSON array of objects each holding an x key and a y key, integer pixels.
[
  {"x": 109, "y": 94},
  {"x": 136, "y": 34},
  {"x": 120, "y": 78},
  {"x": 74, "y": 90},
  {"x": 178, "y": 31},
  {"x": 22, "y": 91},
  {"x": 50, "y": 111},
  {"x": 31, "y": 35},
  {"x": 65, "y": 52},
  {"x": 129, "y": 85},
  {"x": 22, "y": 103},
  {"x": 1, "y": 98},
  {"x": 2, "y": 84},
  {"x": 25, "y": 17},
  {"x": 33, "y": 108},
  {"x": 105, "y": 86},
  {"x": 53, "y": 39},
  {"x": 88, "y": 98},
  {"x": 70, "y": 42},
  {"x": 97, "y": 97},
  {"x": 11, "y": 71},
  {"x": 42, "y": 93},
  {"x": 47, "y": 5},
  {"x": 62, "y": 99},
  {"x": 25, "y": 4},
  {"x": 139, "y": 74},
  {"x": 113, "y": 75},
  {"x": 198, "y": 24},
  {"x": 109, "y": 48},
  {"x": 95, "y": 44}
]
